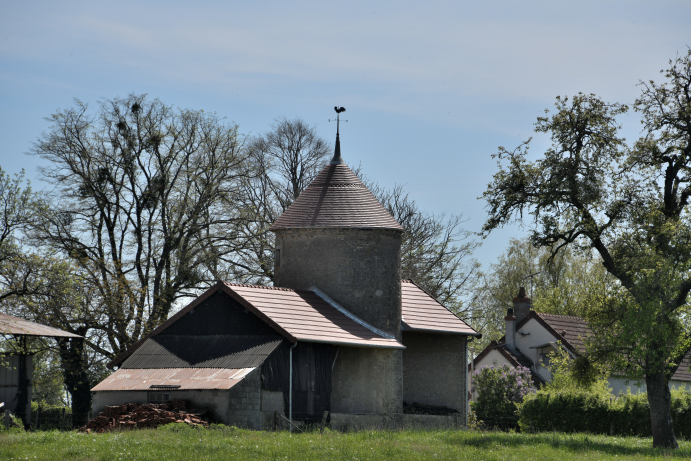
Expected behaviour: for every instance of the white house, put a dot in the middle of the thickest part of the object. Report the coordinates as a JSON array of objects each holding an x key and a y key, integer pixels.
[{"x": 531, "y": 336}]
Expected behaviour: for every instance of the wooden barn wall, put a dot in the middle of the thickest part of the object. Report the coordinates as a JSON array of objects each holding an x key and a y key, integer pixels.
[
  {"x": 219, "y": 314},
  {"x": 311, "y": 377}
]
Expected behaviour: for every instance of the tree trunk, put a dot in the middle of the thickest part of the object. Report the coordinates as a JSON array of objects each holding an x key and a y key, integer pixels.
[
  {"x": 660, "y": 402},
  {"x": 76, "y": 378},
  {"x": 23, "y": 388}
]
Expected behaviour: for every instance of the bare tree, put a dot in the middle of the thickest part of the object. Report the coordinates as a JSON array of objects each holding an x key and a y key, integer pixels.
[{"x": 286, "y": 159}]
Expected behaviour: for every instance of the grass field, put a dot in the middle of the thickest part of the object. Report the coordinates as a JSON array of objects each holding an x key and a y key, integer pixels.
[{"x": 173, "y": 443}]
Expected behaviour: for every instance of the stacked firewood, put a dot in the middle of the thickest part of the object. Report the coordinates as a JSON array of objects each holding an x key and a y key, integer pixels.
[
  {"x": 152, "y": 415},
  {"x": 423, "y": 409}
]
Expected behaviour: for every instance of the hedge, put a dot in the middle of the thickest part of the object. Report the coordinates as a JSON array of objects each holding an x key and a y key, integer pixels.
[{"x": 626, "y": 415}]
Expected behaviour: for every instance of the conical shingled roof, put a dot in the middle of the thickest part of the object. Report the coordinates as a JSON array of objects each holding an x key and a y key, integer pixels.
[{"x": 336, "y": 198}]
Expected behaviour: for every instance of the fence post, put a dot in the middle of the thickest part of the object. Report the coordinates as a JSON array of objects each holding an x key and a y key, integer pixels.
[
  {"x": 38, "y": 413},
  {"x": 62, "y": 423},
  {"x": 7, "y": 419}
]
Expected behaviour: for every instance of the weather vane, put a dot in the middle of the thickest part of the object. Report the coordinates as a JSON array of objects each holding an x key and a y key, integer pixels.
[
  {"x": 337, "y": 152},
  {"x": 338, "y": 114}
]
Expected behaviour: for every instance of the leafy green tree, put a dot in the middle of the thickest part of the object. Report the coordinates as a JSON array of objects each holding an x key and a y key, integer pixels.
[{"x": 590, "y": 190}]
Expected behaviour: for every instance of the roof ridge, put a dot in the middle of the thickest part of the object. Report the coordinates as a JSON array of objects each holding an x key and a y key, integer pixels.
[{"x": 561, "y": 315}]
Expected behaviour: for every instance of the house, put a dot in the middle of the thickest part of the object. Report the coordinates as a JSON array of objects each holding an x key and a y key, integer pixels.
[
  {"x": 16, "y": 367},
  {"x": 339, "y": 331},
  {"x": 531, "y": 337}
]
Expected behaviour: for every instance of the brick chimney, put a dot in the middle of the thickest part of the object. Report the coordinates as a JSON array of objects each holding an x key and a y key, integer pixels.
[
  {"x": 521, "y": 305},
  {"x": 510, "y": 339}
]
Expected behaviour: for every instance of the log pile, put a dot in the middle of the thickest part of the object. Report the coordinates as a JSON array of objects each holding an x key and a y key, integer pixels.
[
  {"x": 138, "y": 416},
  {"x": 423, "y": 409}
]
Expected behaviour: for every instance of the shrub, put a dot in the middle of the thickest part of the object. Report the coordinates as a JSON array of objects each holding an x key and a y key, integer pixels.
[
  {"x": 499, "y": 390},
  {"x": 579, "y": 411}
]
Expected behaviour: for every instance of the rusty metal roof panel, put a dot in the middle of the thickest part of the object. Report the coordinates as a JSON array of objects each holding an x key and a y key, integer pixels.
[
  {"x": 305, "y": 316},
  {"x": 127, "y": 379},
  {"x": 421, "y": 312},
  {"x": 203, "y": 351},
  {"x": 336, "y": 198},
  {"x": 11, "y": 325}
]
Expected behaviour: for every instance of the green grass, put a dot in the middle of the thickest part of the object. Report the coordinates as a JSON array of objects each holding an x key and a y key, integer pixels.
[{"x": 229, "y": 443}]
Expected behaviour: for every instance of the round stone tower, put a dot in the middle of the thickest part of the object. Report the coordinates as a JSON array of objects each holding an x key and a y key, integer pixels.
[{"x": 337, "y": 237}]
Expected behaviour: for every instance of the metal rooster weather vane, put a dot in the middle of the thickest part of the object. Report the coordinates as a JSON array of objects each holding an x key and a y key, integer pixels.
[
  {"x": 338, "y": 114},
  {"x": 337, "y": 152}
]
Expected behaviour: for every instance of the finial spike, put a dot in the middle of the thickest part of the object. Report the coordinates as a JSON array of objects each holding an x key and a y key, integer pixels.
[{"x": 337, "y": 160}]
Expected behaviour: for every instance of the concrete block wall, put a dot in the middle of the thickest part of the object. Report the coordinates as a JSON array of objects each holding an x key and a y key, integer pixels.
[
  {"x": 244, "y": 402},
  {"x": 273, "y": 401},
  {"x": 367, "y": 381},
  {"x": 434, "y": 370}
]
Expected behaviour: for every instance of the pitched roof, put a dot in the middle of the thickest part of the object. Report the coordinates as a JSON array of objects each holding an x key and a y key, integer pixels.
[
  {"x": 298, "y": 315},
  {"x": 11, "y": 325},
  {"x": 421, "y": 312},
  {"x": 336, "y": 198},
  {"x": 514, "y": 358},
  {"x": 571, "y": 331},
  {"x": 127, "y": 379},
  {"x": 207, "y": 351}
]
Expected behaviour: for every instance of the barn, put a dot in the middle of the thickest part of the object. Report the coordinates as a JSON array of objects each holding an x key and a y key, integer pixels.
[{"x": 339, "y": 331}]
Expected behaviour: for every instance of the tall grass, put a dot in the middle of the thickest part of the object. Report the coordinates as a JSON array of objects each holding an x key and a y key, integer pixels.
[{"x": 223, "y": 443}]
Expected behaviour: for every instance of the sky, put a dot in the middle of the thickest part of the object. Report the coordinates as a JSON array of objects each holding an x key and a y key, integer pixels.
[{"x": 431, "y": 88}]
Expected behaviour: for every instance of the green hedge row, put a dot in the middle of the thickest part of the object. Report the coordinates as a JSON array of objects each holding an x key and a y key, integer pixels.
[{"x": 583, "y": 412}]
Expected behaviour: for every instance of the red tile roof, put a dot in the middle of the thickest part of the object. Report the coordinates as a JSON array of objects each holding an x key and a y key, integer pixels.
[
  {"x": 336, "y": 198},
  {"x": 141, "y": 379},
  {"x": 11, "y": 325},
  {"x": 304, "y": 316},
  {"x": 421, "y": 312}
]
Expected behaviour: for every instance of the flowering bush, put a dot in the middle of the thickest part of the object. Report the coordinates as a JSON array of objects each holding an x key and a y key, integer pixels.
[{"x": 499, "y": 390}]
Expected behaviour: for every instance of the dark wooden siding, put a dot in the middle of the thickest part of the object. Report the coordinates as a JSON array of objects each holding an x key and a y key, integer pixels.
[
  {"x": 219, "y": 314},
  {"x": 311, "y": 377}
]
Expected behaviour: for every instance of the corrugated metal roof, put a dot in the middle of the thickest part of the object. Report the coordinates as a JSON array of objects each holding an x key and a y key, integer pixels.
[
  {"x": 421, "y": 312},
  {"x": 304, "y": 316},
  {"x": 217, "y": 351},
  {"x": 11, "y": 325},
  {"x": 336, "y": 198},
  {"x": 187, "y": 378}
]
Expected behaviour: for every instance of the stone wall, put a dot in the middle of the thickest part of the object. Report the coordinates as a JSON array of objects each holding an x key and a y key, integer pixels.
[
  {"x": 244, "y": 402},
  {"x": 434, "y": 369},
  {"x": 367, "y": 381}
]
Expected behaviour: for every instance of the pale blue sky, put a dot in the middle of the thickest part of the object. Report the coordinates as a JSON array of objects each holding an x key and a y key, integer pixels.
[{"x": 431, "y": 88}]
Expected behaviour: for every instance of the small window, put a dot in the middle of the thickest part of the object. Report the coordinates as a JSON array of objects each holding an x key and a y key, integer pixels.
[
  {"x": 158, "y": 397},
  {"x": 277, "y": 257}
]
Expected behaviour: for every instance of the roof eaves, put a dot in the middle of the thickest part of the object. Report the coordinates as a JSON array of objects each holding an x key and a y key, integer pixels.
[{"x": 397, "y": 345}]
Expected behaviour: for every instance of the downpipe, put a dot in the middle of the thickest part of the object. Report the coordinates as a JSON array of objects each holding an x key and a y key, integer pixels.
[{"x": 290, "y": 385}]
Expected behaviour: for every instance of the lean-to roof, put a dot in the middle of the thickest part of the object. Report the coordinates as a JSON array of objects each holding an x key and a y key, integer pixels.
[
  {"x": 336, "y": 198},
  {"x": 421, "y": 312},
  {"x": 203, "y": 351},
  {"x": 11, "y": 325}
]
